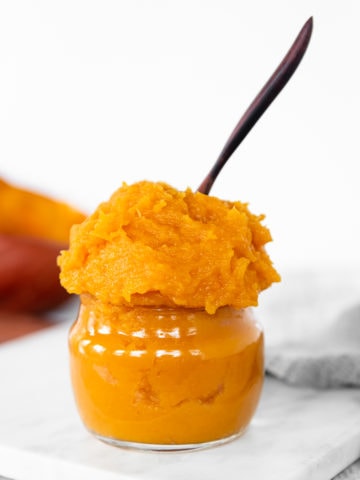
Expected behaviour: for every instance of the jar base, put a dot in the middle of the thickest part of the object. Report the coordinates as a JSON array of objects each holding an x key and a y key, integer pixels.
[{"x": 167, "y": 447}]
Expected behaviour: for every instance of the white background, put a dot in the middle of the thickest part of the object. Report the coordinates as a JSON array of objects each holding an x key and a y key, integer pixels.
[{"x": 94, "y": 93}]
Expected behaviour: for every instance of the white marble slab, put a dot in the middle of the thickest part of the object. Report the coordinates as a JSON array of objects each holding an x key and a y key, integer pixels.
[{"x": 296, "y": 434}]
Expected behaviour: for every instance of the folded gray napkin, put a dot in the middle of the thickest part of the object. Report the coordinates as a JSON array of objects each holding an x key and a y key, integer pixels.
[
  {"x": 316, "y": 322},
  {"x": 350, "y": 473}
]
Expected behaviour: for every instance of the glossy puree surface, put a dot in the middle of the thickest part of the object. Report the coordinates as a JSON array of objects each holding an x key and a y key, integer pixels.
[{"x": 165, "y": 376}]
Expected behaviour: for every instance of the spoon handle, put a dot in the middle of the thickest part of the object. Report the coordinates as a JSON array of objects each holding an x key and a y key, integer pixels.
[{"x": 261, "y": 102}]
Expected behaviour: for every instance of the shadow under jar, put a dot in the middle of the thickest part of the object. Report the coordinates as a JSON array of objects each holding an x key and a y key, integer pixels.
[{"x": 165, "y": 378}]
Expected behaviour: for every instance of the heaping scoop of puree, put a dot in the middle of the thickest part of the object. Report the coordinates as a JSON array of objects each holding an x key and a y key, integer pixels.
[{"x": 151, "y": 244}]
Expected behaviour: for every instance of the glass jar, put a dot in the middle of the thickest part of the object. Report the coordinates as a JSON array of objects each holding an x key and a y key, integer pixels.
[{"x": 165, "y": 378}]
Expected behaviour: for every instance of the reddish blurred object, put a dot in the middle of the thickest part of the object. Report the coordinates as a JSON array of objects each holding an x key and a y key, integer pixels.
[
  {"x": 15, "y": 325},
  {"x": 33, "y": 230},
  {"x": 29, "y": 275}
]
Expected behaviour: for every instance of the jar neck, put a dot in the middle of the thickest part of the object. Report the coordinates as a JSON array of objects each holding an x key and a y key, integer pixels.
[
  {"x": 89, "y": 301},
  {"x": 102, "y": 317}
]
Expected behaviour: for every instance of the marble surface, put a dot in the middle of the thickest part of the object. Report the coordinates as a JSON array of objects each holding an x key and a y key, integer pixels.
[{"x": 296, "y": 434}]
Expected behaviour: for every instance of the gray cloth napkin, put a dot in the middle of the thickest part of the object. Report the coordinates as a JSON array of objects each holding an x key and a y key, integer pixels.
[
  {"x": 350, "y": 473},
  {"x": 316, "y": 322}
]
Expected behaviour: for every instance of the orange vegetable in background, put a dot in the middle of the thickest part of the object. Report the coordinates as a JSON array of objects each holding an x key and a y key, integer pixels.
[
  {"x": 23, "y": 212},
  {"x": 33, "y": 229}
]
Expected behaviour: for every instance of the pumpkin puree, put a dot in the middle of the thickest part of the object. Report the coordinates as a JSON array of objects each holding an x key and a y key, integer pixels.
[
  {"x": 165, "y": 350},
  {"x": 165, "y": 376},
  {"x": 153, "y": 245}
]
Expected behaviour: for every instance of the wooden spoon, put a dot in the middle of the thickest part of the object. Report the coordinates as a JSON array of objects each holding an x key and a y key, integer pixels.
[{"x": 261, "y": 102}]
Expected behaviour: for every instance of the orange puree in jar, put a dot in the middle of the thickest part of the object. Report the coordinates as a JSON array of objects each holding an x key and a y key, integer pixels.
[
  {"x": 165, "y": 376},
  {"x": 165, "y": 352}
]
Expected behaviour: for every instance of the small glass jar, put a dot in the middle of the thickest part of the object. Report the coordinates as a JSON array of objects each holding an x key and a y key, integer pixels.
[{"x": 165, "y": 378}]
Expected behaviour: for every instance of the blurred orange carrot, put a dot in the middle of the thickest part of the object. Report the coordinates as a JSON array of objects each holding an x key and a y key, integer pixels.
[
  {"x": 33, "y": 230},
  {"x": 23, "y": 212}
]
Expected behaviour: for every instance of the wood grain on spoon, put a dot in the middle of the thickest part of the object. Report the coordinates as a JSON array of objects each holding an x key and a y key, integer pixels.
[{"x": 261, "y": 102}]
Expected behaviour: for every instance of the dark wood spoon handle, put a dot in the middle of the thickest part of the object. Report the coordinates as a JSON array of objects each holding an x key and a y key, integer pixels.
[{"x": 267, "y": 94}]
